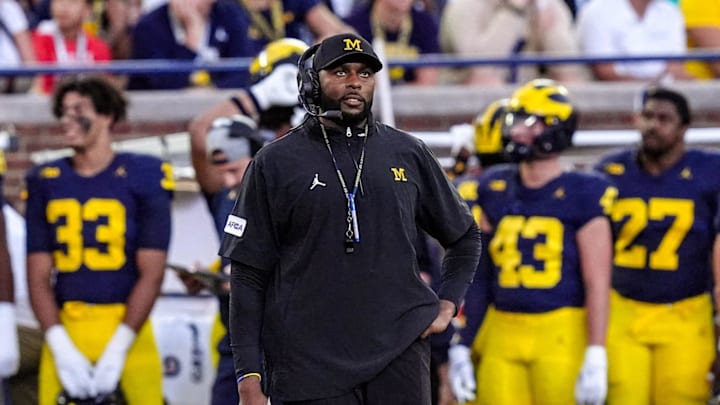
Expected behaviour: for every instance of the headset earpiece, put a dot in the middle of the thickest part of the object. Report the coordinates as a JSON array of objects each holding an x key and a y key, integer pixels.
[{"x": 309, "y": 82}]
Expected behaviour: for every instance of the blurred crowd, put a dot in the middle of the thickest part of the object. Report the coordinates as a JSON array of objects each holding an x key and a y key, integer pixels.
[{"x": 67, "y": 32}]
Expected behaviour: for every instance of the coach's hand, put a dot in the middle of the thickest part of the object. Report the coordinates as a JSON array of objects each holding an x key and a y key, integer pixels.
[
  {"x": 442, "y": 320},
  {"x": 9, "y": 349},
  {"x": 109, "y": 368},
  {"x": 73, "y": 368},
  {"x": 250, "y": 392},
  {"x": 278, "y": 89},
  {"x": 461, "y": 373},
  {"x": 591, "y": 386}
]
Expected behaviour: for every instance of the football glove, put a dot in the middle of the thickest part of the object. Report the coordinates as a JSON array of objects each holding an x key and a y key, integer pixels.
[
  {"x": 591, "y": 387},
  {"x": 110, "y": 366},
  {"x": 278, "y": 89},
  {"x": 9, "y": 349},
  {"x": 461, "y": 373},
  {"x": 73, "y": 368}
]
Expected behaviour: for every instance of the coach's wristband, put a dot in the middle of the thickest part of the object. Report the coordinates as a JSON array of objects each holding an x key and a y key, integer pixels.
[{"x": 244, "y": 376}]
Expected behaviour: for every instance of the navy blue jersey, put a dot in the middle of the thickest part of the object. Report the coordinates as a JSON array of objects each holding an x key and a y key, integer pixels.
[
  {"x": 664, "y": 226},
  {"x": 533, "y": 247},
  {"x": 93, "y": 226},
  {"x": 479, "y": 294},
  {"x": 220, "y": 205},
  {"x": 467, "y": 187}
]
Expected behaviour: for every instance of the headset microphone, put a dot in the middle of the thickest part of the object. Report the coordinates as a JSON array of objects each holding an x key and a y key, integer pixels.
[{"x": 331, "y": 114}]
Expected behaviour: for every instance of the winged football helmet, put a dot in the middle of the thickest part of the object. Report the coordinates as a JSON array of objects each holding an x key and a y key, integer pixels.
[{"x": 547, "y": 102}]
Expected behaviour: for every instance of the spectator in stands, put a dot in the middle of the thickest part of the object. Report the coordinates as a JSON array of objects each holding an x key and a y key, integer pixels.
[
  {"x": 117, "y": 21},
  {"x": 270, "y": 20},
  {"x": 503, "y": 28},
  {"x": 702, "y": 26},
  {"x": 407, "y": 31},
  {"x": 632, "y": 28},
  {"x": 111, "y": 20},
  {"x": 16, "y": 45},
  {"x": 187, "y": 30},
  {"x": 36, "y": 11},
  {"x": 341, "y": 8},
  {"x": 64, "y": 40}
]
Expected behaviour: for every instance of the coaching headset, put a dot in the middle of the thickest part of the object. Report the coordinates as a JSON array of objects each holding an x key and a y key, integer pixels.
[
  {"x": 329, "y": 52},
  {"x": 309, "y": 82}
]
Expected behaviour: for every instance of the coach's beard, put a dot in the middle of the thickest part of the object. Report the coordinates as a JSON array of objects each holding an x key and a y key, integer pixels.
[{"x": 348, "y": 119}]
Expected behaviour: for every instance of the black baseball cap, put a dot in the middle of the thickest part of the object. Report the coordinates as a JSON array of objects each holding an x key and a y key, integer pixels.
[{"x": 336, "y": 48}]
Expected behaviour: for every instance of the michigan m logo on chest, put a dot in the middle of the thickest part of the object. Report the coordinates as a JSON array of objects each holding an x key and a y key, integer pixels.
[{"x": 399, "y": 173}]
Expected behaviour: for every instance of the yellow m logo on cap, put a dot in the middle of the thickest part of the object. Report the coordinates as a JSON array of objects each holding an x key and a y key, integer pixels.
[{"x": 352, "y": 45}]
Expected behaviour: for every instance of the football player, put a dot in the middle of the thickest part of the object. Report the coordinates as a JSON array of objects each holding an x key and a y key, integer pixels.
[
  {"x": 548, "y": 253},
  {"x": 223, "y": 141},
  {"x": 9, "y": 346},
  {"x": 483, "y": 136},
  {"x": 98, "y": 229},
  {"x": 660, "y": 337}
]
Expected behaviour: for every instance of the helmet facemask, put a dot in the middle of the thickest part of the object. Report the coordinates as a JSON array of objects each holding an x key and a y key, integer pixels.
[{"x": 545, "y": 103}]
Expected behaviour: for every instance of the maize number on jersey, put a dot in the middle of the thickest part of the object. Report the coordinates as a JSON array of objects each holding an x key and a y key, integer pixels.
[
  {"x": 505, "y": 253},
  {"x": 638, "y": 214},
  {"x": 71, "y": 216}
]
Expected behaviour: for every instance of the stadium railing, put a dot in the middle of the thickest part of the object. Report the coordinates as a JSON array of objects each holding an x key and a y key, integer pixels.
[{"x": 165, "y": 66}]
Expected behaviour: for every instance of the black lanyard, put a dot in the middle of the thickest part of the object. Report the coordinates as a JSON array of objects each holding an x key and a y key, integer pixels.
[{"x": 352, "y": 234}]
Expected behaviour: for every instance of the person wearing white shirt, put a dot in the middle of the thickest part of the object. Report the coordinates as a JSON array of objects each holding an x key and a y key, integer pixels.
[
  {"x": 633, "y": 28},
  {"x": 15, "y": 41}
]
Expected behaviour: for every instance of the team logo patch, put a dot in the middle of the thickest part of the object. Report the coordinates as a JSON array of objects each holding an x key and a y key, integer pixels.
[
  {"x": 50, "y": 172},
  {"x": 615, "y": 169},
  {"x": 498, "y": 185},
  {"x": 235, "y": 226},
  {"x": 316, "y": 182},
  {"x": 399, "y": 173}
]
